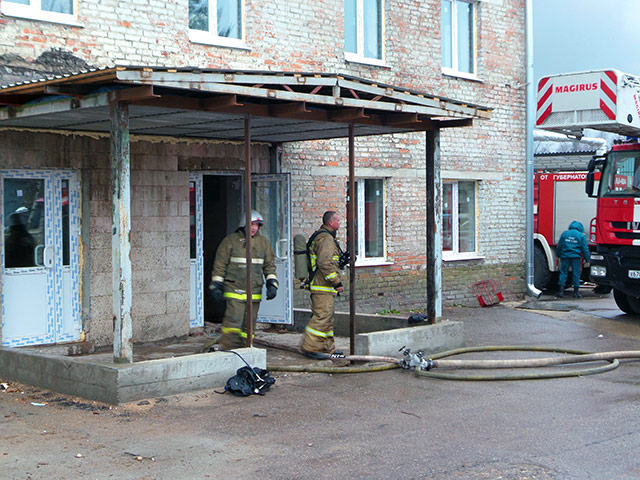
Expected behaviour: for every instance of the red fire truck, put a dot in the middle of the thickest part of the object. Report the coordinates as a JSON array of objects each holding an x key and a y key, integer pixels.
[{"x": 606, "y": 100}]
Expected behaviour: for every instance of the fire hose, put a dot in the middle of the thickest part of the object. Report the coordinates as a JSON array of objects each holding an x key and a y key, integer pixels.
[{"x": 424, "y": 366}]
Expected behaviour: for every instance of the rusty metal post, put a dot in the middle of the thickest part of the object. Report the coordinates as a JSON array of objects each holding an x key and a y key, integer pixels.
[
  {"x": 351, "y": 241},
  {"x": 434, "y": 226},
  {"x": 247, "y": 225},
  {"x": 121, "y": 232}
]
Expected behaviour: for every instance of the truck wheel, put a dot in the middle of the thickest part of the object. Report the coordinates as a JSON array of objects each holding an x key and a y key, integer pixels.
[
  {"x": 541, "y": 273},
  {"x": 634, "y": 304},
  {"x": 622, "y": 300}
]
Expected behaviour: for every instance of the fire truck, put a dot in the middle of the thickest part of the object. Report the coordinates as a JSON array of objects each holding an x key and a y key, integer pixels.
[{"x": 605, "y": 100}]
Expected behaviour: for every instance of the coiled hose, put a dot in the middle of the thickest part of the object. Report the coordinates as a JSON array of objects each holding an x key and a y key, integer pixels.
[
  {"x": 577, "y": 356},
  {"x": 386, "y": 363}
]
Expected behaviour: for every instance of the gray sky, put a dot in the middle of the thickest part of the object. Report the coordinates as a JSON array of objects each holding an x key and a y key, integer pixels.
[{"x": 576, "y": 35}]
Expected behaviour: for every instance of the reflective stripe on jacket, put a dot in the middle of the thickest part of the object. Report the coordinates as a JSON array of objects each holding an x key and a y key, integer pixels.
[{"x": 230, "y": 265}]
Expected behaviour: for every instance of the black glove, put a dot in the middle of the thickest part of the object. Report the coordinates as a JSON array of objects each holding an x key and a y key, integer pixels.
[
  {"x": 272, "y": 288},
  {"x": 217, "y": 291}
]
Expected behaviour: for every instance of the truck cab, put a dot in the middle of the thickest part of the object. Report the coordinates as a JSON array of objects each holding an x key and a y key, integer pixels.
[{"x": 616, "y": 227}]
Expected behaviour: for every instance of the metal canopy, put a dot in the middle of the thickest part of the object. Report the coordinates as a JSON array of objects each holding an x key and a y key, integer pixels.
[{"x": 198, "y": 103}]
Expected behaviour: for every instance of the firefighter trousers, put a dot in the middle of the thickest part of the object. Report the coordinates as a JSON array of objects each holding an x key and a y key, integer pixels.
[
  {"x": 576, "y": 266},
  {"x": 234, "y": 324},
  {"x": 318, "y": 335}
]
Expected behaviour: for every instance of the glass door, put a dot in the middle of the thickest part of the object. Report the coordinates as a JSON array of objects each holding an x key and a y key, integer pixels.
[
  {"x": 271, "y": 197},
  {"x": 40, "y": 257}
]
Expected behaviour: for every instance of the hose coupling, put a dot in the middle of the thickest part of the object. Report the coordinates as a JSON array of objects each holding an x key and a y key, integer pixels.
[{"x": 426, "y": 364}]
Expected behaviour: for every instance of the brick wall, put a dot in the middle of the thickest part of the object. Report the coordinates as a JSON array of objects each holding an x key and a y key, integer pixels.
[{"x": 308, "y": 36}]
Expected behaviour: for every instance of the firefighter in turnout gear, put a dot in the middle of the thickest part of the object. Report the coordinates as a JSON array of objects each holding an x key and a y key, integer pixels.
[
  {"x": 325, "y": 284},
  {"x": 228, "y": 279}
]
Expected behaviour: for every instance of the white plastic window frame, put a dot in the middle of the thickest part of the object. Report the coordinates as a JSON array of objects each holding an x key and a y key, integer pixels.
[
  {"x": 211, "y": 37},
  {"x": 454, "y": 70},
  {"x": 361, "y": 259},
  {"x": 358, "y": 56},
  {"x": 455, "y": 254},
  {"x": 34, "y": 11}
]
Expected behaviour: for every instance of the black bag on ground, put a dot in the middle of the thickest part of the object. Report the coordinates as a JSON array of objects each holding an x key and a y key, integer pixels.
[{"x": 249, "y": 381}]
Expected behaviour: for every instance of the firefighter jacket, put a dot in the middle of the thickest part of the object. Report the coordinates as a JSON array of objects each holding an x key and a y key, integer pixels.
[
  {"x": 572, "y": 243},
  {"x": 324, "y": 253},
  {"x": 230, "y": 265}
]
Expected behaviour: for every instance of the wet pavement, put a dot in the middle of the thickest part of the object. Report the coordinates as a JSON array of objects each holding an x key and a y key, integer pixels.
[{"x": 378, "y": 425}]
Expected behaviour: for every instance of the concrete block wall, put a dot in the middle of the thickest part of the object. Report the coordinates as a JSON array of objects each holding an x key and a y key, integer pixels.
[{"x": 159, "y": 220}]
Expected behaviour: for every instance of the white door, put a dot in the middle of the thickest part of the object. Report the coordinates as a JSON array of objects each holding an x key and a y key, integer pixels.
[
  {"x": 271, "y": 196},
  {"x": 40, "y": 257},
  {"x": 196, "y": 293}
]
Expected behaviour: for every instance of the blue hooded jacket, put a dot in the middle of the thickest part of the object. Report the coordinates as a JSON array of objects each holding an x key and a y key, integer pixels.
[{"x": 573, "y": 243}]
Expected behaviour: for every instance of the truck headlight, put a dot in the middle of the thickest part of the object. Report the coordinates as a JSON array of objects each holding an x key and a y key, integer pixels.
[
  {"x": 595, "y": 256},
  {"x": 598, "y": 271}
]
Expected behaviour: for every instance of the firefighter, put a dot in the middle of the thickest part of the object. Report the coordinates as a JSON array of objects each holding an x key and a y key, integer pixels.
[
  {"x": 228, "y": 280},
  {"x": 572, "y": 247},
  {"x": 325, "y": 284}
]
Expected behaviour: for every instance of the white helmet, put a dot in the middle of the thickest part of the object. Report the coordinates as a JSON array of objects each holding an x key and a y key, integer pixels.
[{"x": 255, "y": 217}]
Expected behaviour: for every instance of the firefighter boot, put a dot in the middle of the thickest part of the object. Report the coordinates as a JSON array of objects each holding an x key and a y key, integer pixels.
[
  {"x": 576, "y": 292},
  {"x": 560, "y": 293}
]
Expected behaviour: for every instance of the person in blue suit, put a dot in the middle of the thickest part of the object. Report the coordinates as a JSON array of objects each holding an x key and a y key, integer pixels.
[{"x": 571, "y": 249}]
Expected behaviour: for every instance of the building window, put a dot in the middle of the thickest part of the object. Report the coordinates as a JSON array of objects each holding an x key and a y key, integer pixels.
[
  {"x": 459, "y": 225},
  {"x": 458, "y": 27},
  {"x": 217, "y": 22},
  {"x": 364, "y": 31},
  {"x": 370, "y": 221},
  {"x": 57, "y": 11}
]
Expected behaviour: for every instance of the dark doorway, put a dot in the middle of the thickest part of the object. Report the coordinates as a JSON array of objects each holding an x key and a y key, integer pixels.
[{"x": 221, "y": 211}]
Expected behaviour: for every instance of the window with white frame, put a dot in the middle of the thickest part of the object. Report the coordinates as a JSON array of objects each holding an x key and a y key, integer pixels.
[
  {"x": 459, "y": 225},
  {"x": 364, "y": 30},
  {"x": 217, "y": 22},
  {"x": 57, "y": 11},
  {"x": 370, "y": 220},
  {"x": 458, "y": 27}
]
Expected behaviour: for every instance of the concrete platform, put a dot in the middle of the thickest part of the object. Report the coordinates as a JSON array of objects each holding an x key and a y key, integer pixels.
[
  {"x": 170, "y": 368},
  {"x": 95, "y": 377}
]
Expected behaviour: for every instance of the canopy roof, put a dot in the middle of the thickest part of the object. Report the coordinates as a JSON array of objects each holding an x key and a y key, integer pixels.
[{"x": 207, "y": 103}]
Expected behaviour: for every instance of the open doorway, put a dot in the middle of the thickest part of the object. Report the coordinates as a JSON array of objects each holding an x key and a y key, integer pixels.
[
  {"x": 221, "y": 210},
  {"x": 217, "y": 205}
]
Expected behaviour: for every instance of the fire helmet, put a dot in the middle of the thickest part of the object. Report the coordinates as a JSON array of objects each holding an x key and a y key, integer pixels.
[{"x": 255, "y": 217}]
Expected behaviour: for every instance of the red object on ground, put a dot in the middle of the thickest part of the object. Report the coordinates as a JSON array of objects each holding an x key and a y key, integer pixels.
[{"x": 488, "y": 293}]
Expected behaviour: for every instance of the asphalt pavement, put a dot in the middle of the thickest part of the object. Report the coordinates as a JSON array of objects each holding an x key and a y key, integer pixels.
[{"x": 377, "y": 425}]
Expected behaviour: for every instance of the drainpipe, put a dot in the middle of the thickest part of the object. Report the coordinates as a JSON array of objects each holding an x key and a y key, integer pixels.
[{"x": 531, "y": 289}]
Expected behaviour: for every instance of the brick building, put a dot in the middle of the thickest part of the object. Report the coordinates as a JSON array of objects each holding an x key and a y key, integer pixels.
[{"x": 470, "y": 51}]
